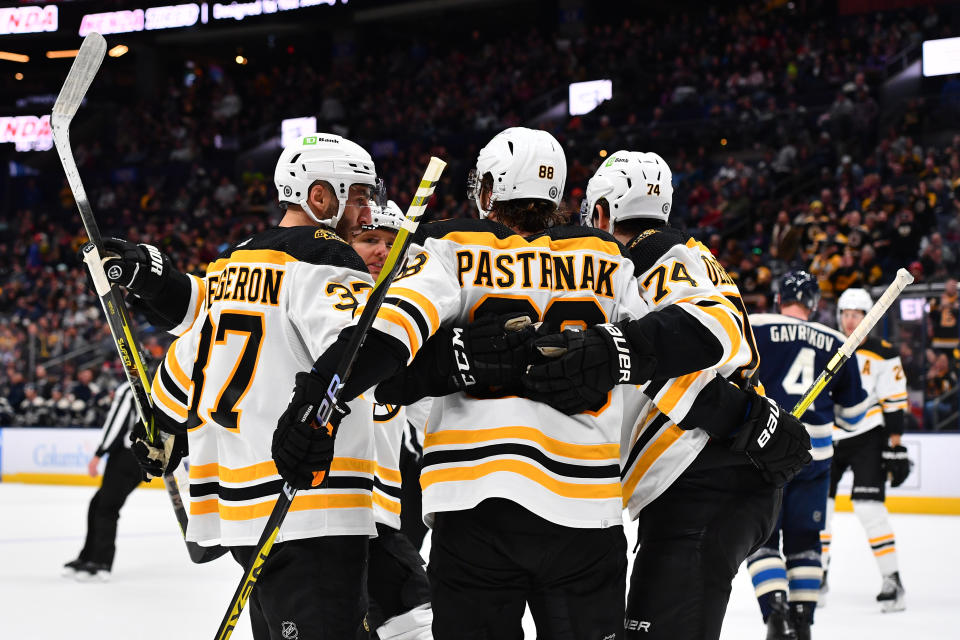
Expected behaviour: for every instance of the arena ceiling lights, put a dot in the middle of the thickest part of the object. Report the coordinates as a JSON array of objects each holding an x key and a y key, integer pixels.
[{"x": 941, "y": 57}]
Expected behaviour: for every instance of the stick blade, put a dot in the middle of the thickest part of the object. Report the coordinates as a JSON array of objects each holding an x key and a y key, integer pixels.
[{"x": 82, "y": 73}]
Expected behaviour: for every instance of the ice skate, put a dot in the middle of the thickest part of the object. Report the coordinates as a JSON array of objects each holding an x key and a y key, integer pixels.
[
  {"x": 779, "y": 624},
  {"x": 71, "y": 568},
  {"x": 891, "y": 596},
  {"x": 802, "y": 616},
  {"x": 93, "y": 572}
]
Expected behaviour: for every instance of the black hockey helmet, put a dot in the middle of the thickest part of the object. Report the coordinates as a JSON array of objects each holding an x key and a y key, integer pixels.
[{"x": 798, "y": 286}]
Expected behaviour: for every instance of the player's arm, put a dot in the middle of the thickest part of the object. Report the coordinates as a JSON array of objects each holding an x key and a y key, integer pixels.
[
  {"x": 849, "y": 397},
  {"x": 892, "y": 392}
]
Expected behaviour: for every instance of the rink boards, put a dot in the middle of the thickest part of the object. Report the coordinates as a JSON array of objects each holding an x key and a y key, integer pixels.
[{"x": 60, "y": 456}]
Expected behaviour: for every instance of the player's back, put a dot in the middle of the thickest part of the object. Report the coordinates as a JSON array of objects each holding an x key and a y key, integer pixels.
[
  {"x": 792, "y": 353},
  {"x": 564, "y": 468},
  {"x": 270, "y": 306}
]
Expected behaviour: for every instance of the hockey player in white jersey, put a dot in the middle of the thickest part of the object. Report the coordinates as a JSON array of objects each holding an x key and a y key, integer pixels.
[
  {"x": 266, "y": 308},
  {"x": 397, "y": 583},
  {"x": 871, "y": 448},
  {"x": 524, "y": 501},
  {"x": 702, "y": 506}
]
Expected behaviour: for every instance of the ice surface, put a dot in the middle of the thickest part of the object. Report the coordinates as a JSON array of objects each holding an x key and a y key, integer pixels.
[{"x": 155, "y": 591}]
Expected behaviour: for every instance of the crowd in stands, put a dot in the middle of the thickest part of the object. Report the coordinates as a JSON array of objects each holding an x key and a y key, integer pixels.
[{"x": 807, "y": 177}]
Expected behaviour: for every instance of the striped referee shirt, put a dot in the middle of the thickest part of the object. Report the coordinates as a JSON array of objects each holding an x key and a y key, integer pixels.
[{"x": 119, "y": 420}]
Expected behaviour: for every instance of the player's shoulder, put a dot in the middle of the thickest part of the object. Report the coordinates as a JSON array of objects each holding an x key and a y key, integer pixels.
[
  {"x": 463, "y": 231},
  {"x": 647, "y": 248},
  {"x": 822, "y": 328},
  {"x": 577, "y": 237},
  {"x": 768, "y": 319},
  {"x": 879, "y": 348},
  {"x": 311, "y": 245}
]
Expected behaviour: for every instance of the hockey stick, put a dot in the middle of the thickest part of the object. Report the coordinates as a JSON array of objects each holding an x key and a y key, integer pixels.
[
  {"x": 390, "y": 268},
  {"x": 849, "y": 346},
  {"x": 74, "y": 89}
]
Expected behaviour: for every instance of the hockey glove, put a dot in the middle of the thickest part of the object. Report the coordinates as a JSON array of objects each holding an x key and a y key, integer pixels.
[
  {"x": 302, "y": 449},
  {"x": 583, "y": 366},
  {"x": 897, "y": 464},
  {"x": 156, "y": 461},
  {"x": 775, "y": 441},
  {"x": 489, "y": 353},
  {"x": 140, "y": 268}
]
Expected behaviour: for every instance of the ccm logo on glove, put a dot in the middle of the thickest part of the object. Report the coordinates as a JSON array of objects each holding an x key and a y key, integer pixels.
[
  {"x": 772, "y": 422},
  {"x": 623, "y": 350},
  {"x": 461, "y": 358}
]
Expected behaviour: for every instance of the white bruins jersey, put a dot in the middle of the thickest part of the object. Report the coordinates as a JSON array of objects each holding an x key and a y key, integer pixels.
[
  {"x": 390, "y": 429},
  {"x": 673, "y": 269},
  {"x": 881, "y": 373},
  {"x": 563, "y": 468},
  {"x": 266, "y": 309}
]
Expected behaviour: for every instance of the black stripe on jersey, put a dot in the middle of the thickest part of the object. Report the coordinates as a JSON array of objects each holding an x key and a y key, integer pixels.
[
  {"x": 882, "y": 545},
  {"x": 411, "y": 310},
  {"x": 655, "y": 386},
  {"x": 390, "y": 490},
  {"x": 648, "y": 248},
  {"x": 566, "y": 232},
  {"x": 713, "y": 303},
  {"x": 525, "y": 451},
  {"x": 652, "y": 429},
  {"x": 271, "y": 488},
  {"x": 171, "y": 387}
]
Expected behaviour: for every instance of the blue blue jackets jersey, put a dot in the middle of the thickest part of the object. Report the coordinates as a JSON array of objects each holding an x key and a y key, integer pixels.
[{"x": 792, "y": 355}]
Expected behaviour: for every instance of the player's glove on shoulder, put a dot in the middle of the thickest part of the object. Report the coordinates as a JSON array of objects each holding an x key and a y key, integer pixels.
[
  {"x": 775, "y": 441},
  {"x": 303, "y": 449},
  {"x": 486, "y": 355},
  {"x": 579, "y": 368},
  {"x": 897, "y": 464}
]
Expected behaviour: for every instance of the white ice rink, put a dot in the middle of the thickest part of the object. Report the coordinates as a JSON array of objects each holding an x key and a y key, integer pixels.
[{"x": 156, "y": 593}]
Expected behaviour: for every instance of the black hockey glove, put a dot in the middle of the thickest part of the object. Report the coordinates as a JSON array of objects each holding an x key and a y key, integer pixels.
[
  {"x": 583, "y": 366},
  {"x": 302, "y": 449},
  {"x": 897, "y": 464},
  {"x": 775, "y": 441},
  {"x": 140, "y": 268},
  {"x": 487, "y": 354},
  {"x": 156, "y": 461}
]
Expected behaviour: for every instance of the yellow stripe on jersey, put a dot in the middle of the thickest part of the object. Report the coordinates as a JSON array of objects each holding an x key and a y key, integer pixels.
[
  {"x": 161, "y": 397},
  {"x": 201, "y": 297},
  {"x": 175, "y": 370},
  {"x": 487, "y": 239},
  {"x": 302, "y": 502},
  {"x": 552, "y": 445},
  {"x": 870, "y": 354},
  {"x": 388, "y": 474},
  {"x": 258, "y": 256},
  {"x": 388, "y": 504},
  {"x": 729, "y": 326},
  {"x": 897, "y": 397},
  {"x": 422, "y": 302},
  {"x": 644, "y": 462},
  {"x": 263, "y": 470},
  {"x": 882, "y": 538},
  {"x": 669, "y": 399},
  {"x": 566, "y": 489},
  {"x": 395, "y": 317}
]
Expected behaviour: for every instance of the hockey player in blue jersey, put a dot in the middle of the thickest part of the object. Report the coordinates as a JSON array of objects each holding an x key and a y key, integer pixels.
[{"x": 792, "y": 352}]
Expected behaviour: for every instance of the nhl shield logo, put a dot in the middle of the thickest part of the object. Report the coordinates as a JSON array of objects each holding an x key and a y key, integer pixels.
[{"x": 289, "y": 630}]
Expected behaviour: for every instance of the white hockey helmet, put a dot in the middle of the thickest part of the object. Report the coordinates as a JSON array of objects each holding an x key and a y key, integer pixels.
[
  {"x": 634, "y": 184},
  {"x": 857, "y": 299},
  {"x": 388, "y": 217},
  {"x": 328, "y": 157},
  {"x": 524, "y": 163}
]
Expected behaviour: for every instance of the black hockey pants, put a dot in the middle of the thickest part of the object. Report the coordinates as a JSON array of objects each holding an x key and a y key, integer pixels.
[
  {"x": 692, "y": 540},
  {"x": 121, "y": 475}
]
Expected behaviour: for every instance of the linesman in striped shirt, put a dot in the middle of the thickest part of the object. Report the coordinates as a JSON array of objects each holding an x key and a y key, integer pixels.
[{"x": 121, "y": 475}]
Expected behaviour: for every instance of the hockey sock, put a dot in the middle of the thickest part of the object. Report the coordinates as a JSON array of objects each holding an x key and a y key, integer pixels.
[
  {"x": 768, "y": 572},
  {"x": 875, "y": 519},
  {"x": 826, "y": 536}
]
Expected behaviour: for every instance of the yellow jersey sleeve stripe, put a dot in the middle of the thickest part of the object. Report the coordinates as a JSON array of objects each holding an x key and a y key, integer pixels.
[
  {"x": 895, "y": 397},
  {"x": 394, "y": 317},
  {"x": 669, "y": 399},
  {"x": 385, "y": 503},
  {"x": 175, "y": 370},
  {"x": 552, "y": 445},
  {"x": 644, "y": 462},
  {"x": 883, "y": 538},
  {"x": 161, "y": 397},
  {"x": 527, "y": 470},
  {"x": 198, "y": 303},
  {"x": 729, "y": 326},
  {"x": 257, "y": 256},
  {"x": 391, "y": 475},
  {"x": 422, "y": 302}
]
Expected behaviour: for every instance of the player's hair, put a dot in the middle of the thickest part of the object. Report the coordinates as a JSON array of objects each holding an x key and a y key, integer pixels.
[{"x": 529, "y": 215}]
